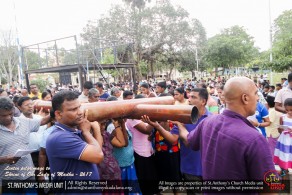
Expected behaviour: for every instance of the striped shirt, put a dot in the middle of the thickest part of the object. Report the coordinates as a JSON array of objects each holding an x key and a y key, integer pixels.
[
  {"x": 10, "y": 142},
  {"x": 35, "y": 138}
]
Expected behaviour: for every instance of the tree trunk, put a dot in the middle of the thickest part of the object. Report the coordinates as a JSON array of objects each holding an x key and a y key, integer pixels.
[
  {"x": 216, "y": 70},
  {"x": 170, "y": 71},
  {"x": 223, "y": 70},
  {"x": 193, "y": 74},
  {"x": 152, "y": 68},
  {"x": 138, "y": 45}
]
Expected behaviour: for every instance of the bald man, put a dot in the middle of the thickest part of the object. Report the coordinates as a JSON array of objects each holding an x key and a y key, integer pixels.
[{"x": 231, "y": 147}]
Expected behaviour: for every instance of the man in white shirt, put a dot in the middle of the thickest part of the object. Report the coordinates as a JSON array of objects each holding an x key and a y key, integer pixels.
[
  {"x": 283, "y": 94},
  {"x": 25, "y": 105}
]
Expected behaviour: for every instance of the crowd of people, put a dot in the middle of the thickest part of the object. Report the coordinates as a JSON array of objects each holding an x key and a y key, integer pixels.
[{"x": 244, "y": 128}]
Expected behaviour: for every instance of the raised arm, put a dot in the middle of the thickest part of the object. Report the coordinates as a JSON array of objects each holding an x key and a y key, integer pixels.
[
  {"x": 92, "y": 153},
  {"x": 183, "y": 132},
  {"x": 144, "y": 128},
  {"x": 96, "y": 132},
  {"x": 120, "y": 136},
  {"x": 171, "y": 138}
]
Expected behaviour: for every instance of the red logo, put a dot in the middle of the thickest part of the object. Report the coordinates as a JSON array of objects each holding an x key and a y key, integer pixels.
[{"x": 273, "y": 180}]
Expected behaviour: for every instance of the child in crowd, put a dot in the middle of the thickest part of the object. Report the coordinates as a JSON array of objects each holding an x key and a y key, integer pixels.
[
  {"x": 283, "y": 155},
  {"x": 272, "y": 130}
]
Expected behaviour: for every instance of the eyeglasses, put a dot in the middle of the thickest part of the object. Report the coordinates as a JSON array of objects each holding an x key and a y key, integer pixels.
[{"x": 96, "y": 96}]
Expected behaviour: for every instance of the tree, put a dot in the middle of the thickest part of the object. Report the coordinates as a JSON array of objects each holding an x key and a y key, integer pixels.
[
  {"x": 162, "y": 29},
  {"x": 231, "y": 48},
  {"x": 139, "y": 4},
  {"x": 190, "y": 55},
  {"x": 8, "y": 57},
  {"x": 282, "y": 43},
  {"x": 67, "y": 56},
  {"x": 170, "y": 31},
  {"x": 32, "y": 60}
]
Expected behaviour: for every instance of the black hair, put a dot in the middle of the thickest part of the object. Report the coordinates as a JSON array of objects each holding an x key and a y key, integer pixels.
[
  {"x": 180, "y": 90},
  {"x": 162, "y": 84},
  {"x": 34, "y": 98},
  {"x": 111, "y": 98},
  {"x": 139, "y": 96},
  {"x": 1, "y": 90},
  {"x": 15, "y": 98},
  {"x": 6, "y": 103},
  {"x": 164, "y": 94},
  {"x": 87, "y": 85},
  {"x": 271, "y": 101},
  {"x": 278, "y": 85},
  {"x": 288, "y": 102},
  {"x": 99, "y": 84},
  {"x": 52, "y": 114},
  {"x": 22, "y": 99},
  {"x": 127, "y": 93},
  {"x": 186, "y": 94},
  {"x": 145, "y": 85},
  {"x": 204, "y": 86},
  {"x": 272, "y": 86},
  {"x": 45, "y": 93},
  {"x": 290, "y": 77},
  {"x": 203, "y": 93},
  {"x": 60, "y": 97},
  {"x": 267, "y": 86}
]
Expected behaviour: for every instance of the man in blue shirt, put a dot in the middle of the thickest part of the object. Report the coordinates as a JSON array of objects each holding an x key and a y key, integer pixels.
[
  {"x": 102, "y": 93},
  {"x": 73, "y": 154}
]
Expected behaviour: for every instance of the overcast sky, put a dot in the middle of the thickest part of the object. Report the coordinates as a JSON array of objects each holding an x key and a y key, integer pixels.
[{"x": 43, "y": 20}]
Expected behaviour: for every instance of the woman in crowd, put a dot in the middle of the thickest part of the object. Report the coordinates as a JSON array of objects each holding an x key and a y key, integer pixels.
[
  {"x": 144, "y": 154},
  {"x": 179, "y": 96},
  {"x": 46, "y": 96},
  {"x": 124, "y": 153},
  {"x": 109, "y": 168},
  {"x": 145, "y": 90}
]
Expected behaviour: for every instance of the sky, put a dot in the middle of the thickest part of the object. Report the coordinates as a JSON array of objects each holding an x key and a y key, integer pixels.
[{"x": 43, "y": 20}]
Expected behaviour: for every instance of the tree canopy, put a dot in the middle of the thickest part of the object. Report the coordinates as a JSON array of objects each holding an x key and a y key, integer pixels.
[
  {"x": 233, "y": 47},
  {"x": 282, "y": 42},
  {"x": 153, "y": 32}
]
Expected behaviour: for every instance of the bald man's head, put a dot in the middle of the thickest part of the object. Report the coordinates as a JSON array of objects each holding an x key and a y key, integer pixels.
[
  {"x": 235, "y": 86},
  {"x": 241, "y": 95}
]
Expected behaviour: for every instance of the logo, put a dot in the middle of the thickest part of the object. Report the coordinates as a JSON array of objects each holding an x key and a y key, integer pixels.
[{"x": 273, "y": 180}]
